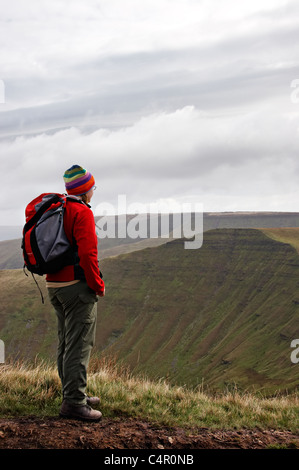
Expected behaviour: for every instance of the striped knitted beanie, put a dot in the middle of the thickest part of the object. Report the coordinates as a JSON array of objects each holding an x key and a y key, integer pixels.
[{"x": 78, "y": 181}]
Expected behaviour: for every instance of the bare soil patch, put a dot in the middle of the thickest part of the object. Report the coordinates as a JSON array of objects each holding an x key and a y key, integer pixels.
[{"x": 57, "y": 433}]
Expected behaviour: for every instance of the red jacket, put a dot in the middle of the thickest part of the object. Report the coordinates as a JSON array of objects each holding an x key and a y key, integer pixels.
[{"x": 79, "y": 226}]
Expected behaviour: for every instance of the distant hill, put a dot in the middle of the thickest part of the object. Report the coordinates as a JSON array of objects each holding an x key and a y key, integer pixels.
[
  {"x": 220, "y": 316},
  {"x": 11, "y": 256}
]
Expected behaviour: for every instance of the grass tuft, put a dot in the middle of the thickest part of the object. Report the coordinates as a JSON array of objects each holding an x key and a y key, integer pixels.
[{"x": 34, "y": 389}]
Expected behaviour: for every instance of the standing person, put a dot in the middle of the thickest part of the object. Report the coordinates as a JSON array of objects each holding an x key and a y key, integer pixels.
[{"x": 73, "y": 292}]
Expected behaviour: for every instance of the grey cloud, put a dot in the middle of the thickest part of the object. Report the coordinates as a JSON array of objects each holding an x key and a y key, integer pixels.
[
  {"x": 233, "y": 72},
  {"x": 105, "y": 110}
]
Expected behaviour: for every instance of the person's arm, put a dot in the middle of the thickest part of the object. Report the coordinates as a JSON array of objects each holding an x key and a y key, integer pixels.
[{"x": 87, "y": 243}]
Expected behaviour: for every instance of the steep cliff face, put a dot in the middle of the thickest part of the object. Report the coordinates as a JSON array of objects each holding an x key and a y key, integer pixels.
[{"x": 225, "y": 313}]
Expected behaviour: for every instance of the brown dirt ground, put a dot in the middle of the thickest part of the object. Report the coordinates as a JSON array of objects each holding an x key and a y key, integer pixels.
[{"x": 57, "y": 433}]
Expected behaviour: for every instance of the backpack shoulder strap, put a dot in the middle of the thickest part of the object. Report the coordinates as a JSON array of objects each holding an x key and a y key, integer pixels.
[{"x": 31, "y": 222}]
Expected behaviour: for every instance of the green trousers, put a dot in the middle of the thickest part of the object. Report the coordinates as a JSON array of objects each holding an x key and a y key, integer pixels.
[{"x": 76, "y": 311}]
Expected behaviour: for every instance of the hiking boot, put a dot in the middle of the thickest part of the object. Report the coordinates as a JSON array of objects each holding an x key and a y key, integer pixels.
[
  {"x": 82, "y": 412},
  {"x": 92, "y": 401}
]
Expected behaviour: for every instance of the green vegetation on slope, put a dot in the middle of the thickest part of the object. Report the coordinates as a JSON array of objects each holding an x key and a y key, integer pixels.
[
  {"x": 27, "y": 327},
  {"x": 285, "y": 235},
  {"x": 221, "y": 315}
]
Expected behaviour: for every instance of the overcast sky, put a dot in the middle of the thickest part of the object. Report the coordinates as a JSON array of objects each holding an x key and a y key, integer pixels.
[{"x": 162, "y": 100}]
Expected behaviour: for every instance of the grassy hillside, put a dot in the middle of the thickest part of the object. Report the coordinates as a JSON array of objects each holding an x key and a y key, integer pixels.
[
  {"x": 27, "y": 327},
  {"x": 218, "y": 317},
  {"x": 285, "y": 235}
]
